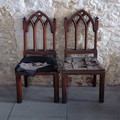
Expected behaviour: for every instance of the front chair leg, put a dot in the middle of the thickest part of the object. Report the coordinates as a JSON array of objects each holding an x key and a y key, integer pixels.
[
  {"x": 64, "y": 88},
  {"x": 19, "y": 88},
  {"x": 56, "y": 87},
  {"x": 25, "y": 81},
  {"x": 101, "y": 88}
]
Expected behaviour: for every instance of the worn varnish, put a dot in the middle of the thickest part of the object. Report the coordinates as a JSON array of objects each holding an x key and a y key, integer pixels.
[
  {"x": 33, "y": 21},
  {"x": 82, "y": 65}
]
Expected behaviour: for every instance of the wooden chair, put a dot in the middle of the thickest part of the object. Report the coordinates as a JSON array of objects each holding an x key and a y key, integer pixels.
[
  {"x": 35, "y": 56},
  {"x": 81, "y": 59}
]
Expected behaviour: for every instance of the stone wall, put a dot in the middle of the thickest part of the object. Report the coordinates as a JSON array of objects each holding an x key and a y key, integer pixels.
[{"x": 11, "y": 37}]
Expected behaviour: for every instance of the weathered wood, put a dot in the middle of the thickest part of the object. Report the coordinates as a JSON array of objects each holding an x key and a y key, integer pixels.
[
  {"x": 85, "y": 65},
  {"x": 27, "y": 23},
  {"x": 33, "y": 20}
]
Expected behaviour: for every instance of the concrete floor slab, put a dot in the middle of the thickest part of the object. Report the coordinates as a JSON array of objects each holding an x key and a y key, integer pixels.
[
  {"x": 29, "y": 108},
  {"x": 83, "y": 105},
  {"x": 7, "y": 100},
  {"x": 38, "y": 104},
  {"x": 3, "y": 117},
  {"x": 37, "y": 118}
]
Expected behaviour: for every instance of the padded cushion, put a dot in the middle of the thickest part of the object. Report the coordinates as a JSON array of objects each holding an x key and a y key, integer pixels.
[{"x": 52, "y": 67}]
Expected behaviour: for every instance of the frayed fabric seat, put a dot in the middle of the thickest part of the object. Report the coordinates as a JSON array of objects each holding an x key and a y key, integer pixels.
[
  {"x": 81, "y": 63},
  {"x": 33, "y": 64}
]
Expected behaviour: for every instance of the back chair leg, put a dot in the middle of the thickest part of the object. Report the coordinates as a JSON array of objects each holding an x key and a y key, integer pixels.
[
  {"x": 64, "y": 88},
  {"x": 19, "y": 88},
  {"x": 94, "y": 80},
  {"x": 53, "y": 80},
  {"x": 101, "y": 88},
  {"x": 25, "y": 81},
  {"x": 56, "y": 87}
]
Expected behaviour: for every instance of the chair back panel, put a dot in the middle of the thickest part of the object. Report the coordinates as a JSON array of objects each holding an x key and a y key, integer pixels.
[
  {"x": 33, "y": 21},
  {"x": 79, "y": 20}
]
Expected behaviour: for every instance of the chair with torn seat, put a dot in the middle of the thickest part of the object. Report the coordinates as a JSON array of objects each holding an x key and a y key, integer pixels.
[
  {"x": 80, "y": 54},
  {"x": 38, "y": 60}
]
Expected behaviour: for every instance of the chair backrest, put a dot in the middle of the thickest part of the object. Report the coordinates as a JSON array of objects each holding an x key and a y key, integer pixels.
[
  {"x": 32, "y": 21},
  {"x": 81, "y": 19}
]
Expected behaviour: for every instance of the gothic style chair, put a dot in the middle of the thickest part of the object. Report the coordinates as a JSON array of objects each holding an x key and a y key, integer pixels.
[
  {"x": 80, "y": 58},
  {"x": 36, "y": 60}
]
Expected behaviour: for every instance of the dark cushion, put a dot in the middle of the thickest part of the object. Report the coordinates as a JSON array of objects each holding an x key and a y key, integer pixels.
[{"x": 52, "y": 67}]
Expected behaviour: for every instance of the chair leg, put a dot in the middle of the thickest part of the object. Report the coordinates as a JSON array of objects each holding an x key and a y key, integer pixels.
[
  {"x": 53, "y": 80},
  {"x": 94, "y": 80},
  {"x": 101, "y": 88},
  {"x": 56, "y": 87},
  {"x": 64, "y": 88},
  {"x": 19, "y": 88},
  {"x": 25, "y": 81}
]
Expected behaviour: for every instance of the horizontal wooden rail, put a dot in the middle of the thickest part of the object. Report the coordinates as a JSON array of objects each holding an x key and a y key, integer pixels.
[
  {"x": 40, "y": 52},
  {"x": 88, "y": 51}
]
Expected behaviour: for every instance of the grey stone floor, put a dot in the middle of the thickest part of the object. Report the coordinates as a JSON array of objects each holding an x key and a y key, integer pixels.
[{"x": 38, "y": 104}]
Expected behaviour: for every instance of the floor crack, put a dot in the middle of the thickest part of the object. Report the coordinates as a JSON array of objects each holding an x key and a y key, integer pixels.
[{"x": 10, "y": 111}]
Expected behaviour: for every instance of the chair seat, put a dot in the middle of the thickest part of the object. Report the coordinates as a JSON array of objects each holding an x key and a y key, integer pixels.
[
  {"x": 33, "y": 64},
  {"x": 81, "y": 64}
]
